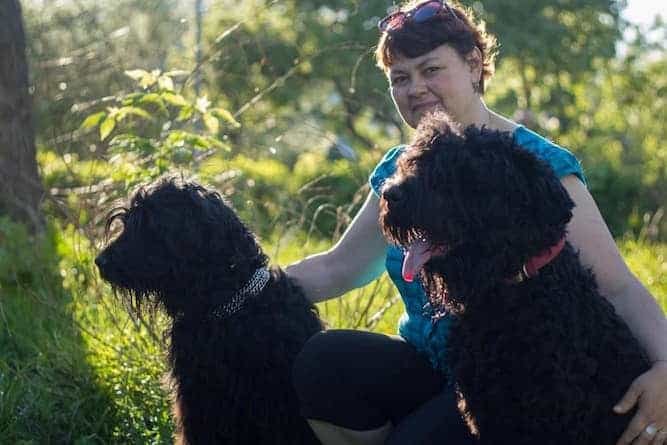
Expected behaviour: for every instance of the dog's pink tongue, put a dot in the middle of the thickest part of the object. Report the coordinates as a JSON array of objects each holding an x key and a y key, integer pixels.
[{"x": 417, "y": 255}]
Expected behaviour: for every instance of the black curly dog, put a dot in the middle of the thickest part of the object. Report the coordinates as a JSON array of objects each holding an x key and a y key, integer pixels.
[
  {"x": 233, "y": 335},
  {"x": 537, "y": 360}
]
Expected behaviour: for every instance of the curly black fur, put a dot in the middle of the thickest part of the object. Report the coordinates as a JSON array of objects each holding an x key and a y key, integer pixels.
[
  {"x": 542, "y": 361},
  {"x": 183, "y": 250}
]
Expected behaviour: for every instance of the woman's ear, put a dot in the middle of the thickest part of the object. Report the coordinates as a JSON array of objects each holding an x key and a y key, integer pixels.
[{"x": 474, "y": 59}]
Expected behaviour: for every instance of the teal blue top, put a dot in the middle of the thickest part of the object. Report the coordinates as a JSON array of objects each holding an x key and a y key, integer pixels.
[{"x": 416, "y": 325}]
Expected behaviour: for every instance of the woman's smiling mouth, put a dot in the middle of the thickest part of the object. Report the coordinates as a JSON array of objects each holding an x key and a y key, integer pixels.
[{"x": 422, "y": 107}]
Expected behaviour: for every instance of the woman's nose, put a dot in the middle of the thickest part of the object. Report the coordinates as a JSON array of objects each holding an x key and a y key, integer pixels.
[{"x": 417, "y": 87}]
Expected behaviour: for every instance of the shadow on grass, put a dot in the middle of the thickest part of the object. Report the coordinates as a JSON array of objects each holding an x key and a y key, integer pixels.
[
  {"x": 65, "y": 377},
  {"x": 48, "y": 392}
]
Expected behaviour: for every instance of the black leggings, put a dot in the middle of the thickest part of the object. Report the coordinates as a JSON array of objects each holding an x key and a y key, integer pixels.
[{"x": 361, "y": 380}]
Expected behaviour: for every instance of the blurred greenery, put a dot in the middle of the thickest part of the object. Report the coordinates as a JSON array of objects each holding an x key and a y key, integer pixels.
[{"x": 291, "y": 118}]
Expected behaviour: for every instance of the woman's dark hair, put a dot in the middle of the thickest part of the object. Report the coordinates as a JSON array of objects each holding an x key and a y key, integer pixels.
[{"x": 461, "y": 32}]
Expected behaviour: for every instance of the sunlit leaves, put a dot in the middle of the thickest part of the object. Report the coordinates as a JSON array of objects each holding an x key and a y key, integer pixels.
[
  {"x": 225, "y": 115},
  {"x": 114, "y": 116},
  {"x": 155, "y": 129},
  {"x": 93, "y": 120},
  {"x": 137, "y": 75},
  {"x": 123, "y": 112},
  {"x": 174, "y": 99},
  {"x": 211, "y": 122},
  {"x": 107, "y": 127},
  {"x": 154, "y": 99},
  {"x": 186, "y": 113},
  {"x": 159, "y": 103},
  {"x": 144, "y": 78},
  {"x": 147, "y": 79},
  {"x": 166, "y": 83}
]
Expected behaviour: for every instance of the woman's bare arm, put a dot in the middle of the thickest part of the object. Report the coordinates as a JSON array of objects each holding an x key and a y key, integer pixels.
[
  {"x": 588, "y": 233},
  {"x": 355, "y": 260},
  {"x": 648, "y": 392}
]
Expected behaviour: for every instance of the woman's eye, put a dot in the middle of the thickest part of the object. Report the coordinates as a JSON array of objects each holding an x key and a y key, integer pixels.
[
  {"x": 399, "y": 80},
  {"x": 432, "y": 69}
]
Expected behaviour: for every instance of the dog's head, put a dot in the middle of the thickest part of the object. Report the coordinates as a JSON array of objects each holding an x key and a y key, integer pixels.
[
  {"x": 180, "y": 246},
  {"x": 471, "y": 207}
]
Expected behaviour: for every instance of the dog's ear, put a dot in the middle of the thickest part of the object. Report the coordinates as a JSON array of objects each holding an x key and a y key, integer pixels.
[
  {"x": 503, "y": 191},
  {"x": 543, "y": 203}
]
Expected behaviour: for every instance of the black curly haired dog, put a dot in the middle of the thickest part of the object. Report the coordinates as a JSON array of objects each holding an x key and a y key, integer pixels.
[
  {"x": 536, "y": 357},
  {"x": 236, "y": 326}
]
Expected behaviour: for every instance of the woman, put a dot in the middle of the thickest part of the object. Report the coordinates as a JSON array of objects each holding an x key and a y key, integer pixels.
[{"x": 356, "y": 386}]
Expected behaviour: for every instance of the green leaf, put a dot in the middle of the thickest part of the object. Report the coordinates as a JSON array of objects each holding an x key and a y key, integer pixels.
[
  {"x": 199, "y": 141},
  {"x": 134, "y": 111},
  {"x": 107, "y": 127},
  {"x": 181, "y": 138},
  {"x": 186, "y": 113},
  {"x": 92, "y": 120},
  {"x": 217, "y": 143},
  {"x": 176, "y": 137},
  {"x": 226, "y": 116},
  {"x": 155, "y": 99},
  {"x": 131, "y": 99},
  {"x": 152, "y": 98},
  {"x": 165, "y": 83},
  {"x": 174, "y": 99},
  {"x": 136, "y": 74},
  {"x": 211, "y": 123},
  {"x": 144, "y": 78}
]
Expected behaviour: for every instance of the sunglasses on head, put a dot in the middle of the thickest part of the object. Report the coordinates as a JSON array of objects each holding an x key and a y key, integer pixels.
[{"x": 419, "y": 14}]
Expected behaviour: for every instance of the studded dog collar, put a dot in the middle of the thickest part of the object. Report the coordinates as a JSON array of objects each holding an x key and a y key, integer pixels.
[{"x": 253, "y": 287}]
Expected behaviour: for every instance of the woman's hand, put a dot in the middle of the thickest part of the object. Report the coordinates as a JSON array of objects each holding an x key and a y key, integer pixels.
[{"x": 649, "y": 393}]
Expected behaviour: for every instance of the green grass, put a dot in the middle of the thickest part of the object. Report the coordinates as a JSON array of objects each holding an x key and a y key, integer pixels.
[
  {"x": 74, "y": 368},
  {"x": 649, "y": 263},
  {"x": 127, "y": 358},
  {"x": 48, "y": 391}
]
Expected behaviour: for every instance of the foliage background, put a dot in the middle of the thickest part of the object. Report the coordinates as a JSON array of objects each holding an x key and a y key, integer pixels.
[{"x": 291, "y": 117}]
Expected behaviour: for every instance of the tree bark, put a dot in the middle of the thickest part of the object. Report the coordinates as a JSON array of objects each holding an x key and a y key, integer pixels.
[{"x": 20, "y": 186}]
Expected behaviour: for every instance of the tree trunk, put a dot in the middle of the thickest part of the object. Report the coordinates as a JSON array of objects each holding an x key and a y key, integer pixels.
[{"x": 20, "y": 186}]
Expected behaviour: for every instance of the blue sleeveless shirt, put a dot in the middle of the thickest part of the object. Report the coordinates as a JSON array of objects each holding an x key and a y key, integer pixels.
[{"x": 415, "y": 324}]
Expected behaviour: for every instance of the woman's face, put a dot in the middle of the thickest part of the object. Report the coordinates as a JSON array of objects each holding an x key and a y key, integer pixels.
[{"x": 438, "y": 79}]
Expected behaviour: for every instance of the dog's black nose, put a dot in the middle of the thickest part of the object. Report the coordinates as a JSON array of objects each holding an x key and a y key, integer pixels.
[{"x": 393, "y": 194}]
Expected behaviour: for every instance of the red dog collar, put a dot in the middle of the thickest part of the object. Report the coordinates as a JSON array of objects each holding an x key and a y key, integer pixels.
[{"x": 534, "y": 264}]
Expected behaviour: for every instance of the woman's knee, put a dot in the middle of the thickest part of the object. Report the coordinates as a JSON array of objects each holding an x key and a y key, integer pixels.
[{"x": 315, "y": 364}]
